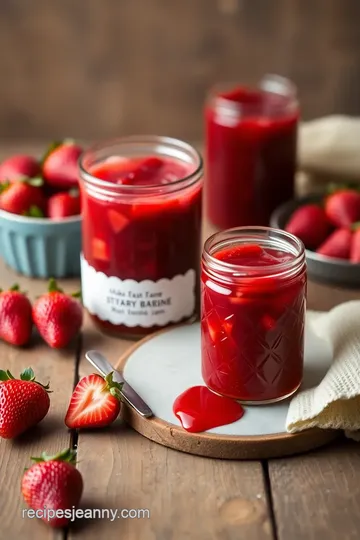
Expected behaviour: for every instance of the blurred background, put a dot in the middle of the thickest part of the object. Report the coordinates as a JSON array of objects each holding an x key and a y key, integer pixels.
[{"x": 94, "y": 69}]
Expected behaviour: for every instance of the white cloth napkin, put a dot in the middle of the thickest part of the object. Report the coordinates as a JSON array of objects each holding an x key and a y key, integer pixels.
[
  {"x": 335, "y": 402},
  {"x": 328, "y": 152}
]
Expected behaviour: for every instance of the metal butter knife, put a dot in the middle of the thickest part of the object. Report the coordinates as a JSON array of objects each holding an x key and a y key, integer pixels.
[{"x": 128, "y": 393}]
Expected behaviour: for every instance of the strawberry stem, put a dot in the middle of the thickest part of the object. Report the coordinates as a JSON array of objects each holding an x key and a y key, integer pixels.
[
  {"x": 52, "y": 146},
  {"x": 53, "y": 286},
  {"x": 112, "y": 386},
  {"x": 35, "y": 212},
  {"x": 68, "y": 455}
]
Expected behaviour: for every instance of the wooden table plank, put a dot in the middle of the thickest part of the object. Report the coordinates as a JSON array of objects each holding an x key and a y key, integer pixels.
[
  {"x": 187, "y": 496},
  {"x": 51, "y": 435},
  {"x": 317, "y": 495}
]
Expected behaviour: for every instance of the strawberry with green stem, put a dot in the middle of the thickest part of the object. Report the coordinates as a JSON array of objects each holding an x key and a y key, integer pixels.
[
  {"x": 53, "y": 483},
  {"x": 15, "y": 317},
  {"x": 64, "y": 204},
  {"x": 23, "y": 197},
  {"x": 24, "y": 403},
  {"x": 18, "y": 167},
  {"x": 60, "y": 164},
  {"x": 57, "y": 316}
]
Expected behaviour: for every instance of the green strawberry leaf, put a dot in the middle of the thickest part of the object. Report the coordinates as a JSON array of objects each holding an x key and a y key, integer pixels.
[
  {"x": 10, "y": 376},
  {"x": 76, "y": 294},
  {"x": 35, "y": 212},
  {"x": 27, "y": 375},
  {"x": 112, "y": 386},
  {"x": 68, "y": 455},
  {"x": 15, "y": 287},
  {"x": 37, "y": 181},
  {"x": 52, "y": 146},
  {"x": 3, "y": 375},
  {"x": 53, "y": 286},
  {"x": 4, "y": 186}
]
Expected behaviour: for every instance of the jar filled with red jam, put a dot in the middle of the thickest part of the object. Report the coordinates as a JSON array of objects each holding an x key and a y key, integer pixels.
[
  {"x": 141, "y": 204},
  {"x": 251, "y": 135},
  {"x": 253, "y": 295}
]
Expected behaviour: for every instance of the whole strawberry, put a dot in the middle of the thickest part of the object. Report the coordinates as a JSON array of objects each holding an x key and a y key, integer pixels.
[
  {"x": 15, "y": 317},
  {"x": 310, "y": 224},
  {"x": 18, "y": 167},
  {"x": 95, "y": 402},
  {"x": 355, "y": 247},
  {"x": 60, "y": 165},
  {"x": 337, "y": 245},
  {"x": 63, "y": 205},
  {"x": 57, "y": 316},
  {"x": 343, "y": 207},
  {"x": 24, "y": 198},
  {"x": 24, "y": 403},
  {"x": 53, "y": 484}
]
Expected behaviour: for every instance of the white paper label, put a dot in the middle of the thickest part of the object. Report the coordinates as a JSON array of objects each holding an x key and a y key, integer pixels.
[{"x": 132, "y": 303}]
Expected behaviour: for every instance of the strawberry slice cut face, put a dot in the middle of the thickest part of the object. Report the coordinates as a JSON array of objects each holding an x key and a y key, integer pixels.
[
  {"x": 100, "y": 250},
  {"x": 117, "y": 220}
]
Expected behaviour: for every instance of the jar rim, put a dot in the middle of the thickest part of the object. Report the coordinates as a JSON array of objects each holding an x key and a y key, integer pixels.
[
  {"x": 163, "y": 142},
  {"x": 253, "y": 234},
  {"x": 268, "y": 84}
]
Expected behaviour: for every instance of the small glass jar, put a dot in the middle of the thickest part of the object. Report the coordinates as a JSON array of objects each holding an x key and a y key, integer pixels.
[
  {"x": 253, "y": 296},
  {"x": 251, "y": 136},
  {"x": 141, "y": 230}
]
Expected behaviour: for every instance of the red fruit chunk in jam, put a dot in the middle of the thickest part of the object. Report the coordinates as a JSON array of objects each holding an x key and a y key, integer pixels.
[
  {"x": 117, "y": 220},
  {"x": 144, "y": 172},
  {"x": 100, "y": 250},
  {"x": 199, "y": 409}
]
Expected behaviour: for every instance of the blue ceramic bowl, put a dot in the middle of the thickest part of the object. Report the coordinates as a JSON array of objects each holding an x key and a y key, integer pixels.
[{"x": 41, "y": 247}]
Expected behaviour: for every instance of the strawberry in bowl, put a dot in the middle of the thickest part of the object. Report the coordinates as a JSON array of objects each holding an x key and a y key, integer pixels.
[
  {"x": 329, "y": 227},
  {"x": 40, "y": 212}
]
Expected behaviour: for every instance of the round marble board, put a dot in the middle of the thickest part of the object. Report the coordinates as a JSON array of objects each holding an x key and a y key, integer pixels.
[{"x": 163, "y": 365}]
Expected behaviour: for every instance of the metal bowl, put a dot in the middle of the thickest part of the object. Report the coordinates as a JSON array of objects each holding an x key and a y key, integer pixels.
[{"x": 320, "y": 268}]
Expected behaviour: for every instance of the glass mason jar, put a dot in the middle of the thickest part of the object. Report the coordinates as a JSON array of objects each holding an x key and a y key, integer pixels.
[
  {"x": 141, "y": 229},
  {"x": 251, "y": 136},
  {"x": 253, "y": 295}
]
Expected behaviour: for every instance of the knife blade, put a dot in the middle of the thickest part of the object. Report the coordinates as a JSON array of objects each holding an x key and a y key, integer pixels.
[{"x": 131, "y": 397}]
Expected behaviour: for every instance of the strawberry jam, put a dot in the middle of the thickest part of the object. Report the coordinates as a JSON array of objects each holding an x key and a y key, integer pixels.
[
  {"x": 141, "y": 202},
  {"x": 199, "y": 409},
  {"x": 253, "y": 308},
  {"x": 250, "y": 152}
]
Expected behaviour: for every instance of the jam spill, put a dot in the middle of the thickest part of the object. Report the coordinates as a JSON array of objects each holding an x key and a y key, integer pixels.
[{"x": 199, "y": 409}]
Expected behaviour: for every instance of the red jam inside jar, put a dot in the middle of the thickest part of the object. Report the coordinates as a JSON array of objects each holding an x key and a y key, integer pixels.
[
  {"x": 141, "y": 201},
  {"x": 251, "y": 136},
  {"x": 253, "y": 293}
]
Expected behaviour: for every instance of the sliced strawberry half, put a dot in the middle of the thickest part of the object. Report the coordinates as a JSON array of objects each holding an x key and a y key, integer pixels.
[{"x": 95, "y": 402}]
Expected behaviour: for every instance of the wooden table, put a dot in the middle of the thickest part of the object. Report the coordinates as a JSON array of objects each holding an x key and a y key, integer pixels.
[{"x": 307, "y": 497}]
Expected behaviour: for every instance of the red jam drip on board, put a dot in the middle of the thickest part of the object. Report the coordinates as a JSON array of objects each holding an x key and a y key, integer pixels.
[
  {"x": 139, "y": 237},
  {"x": 251, "y": 156},
  {"x": 252, "y": 331},
  {"x": 199, "y": 409}
]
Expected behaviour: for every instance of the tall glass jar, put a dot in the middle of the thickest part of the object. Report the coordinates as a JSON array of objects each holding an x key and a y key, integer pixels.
[
  {"x": 141, "y": 204},
  {"x": 251, "y": 138},
  {"x": 253, "y": 284}
]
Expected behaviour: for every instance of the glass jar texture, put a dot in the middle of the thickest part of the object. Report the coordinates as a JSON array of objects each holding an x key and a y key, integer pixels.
[
  {"x": 253, "y": 299},
  {"x": 141, "y": 205},
  {"x": 251, "y": 136}
]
